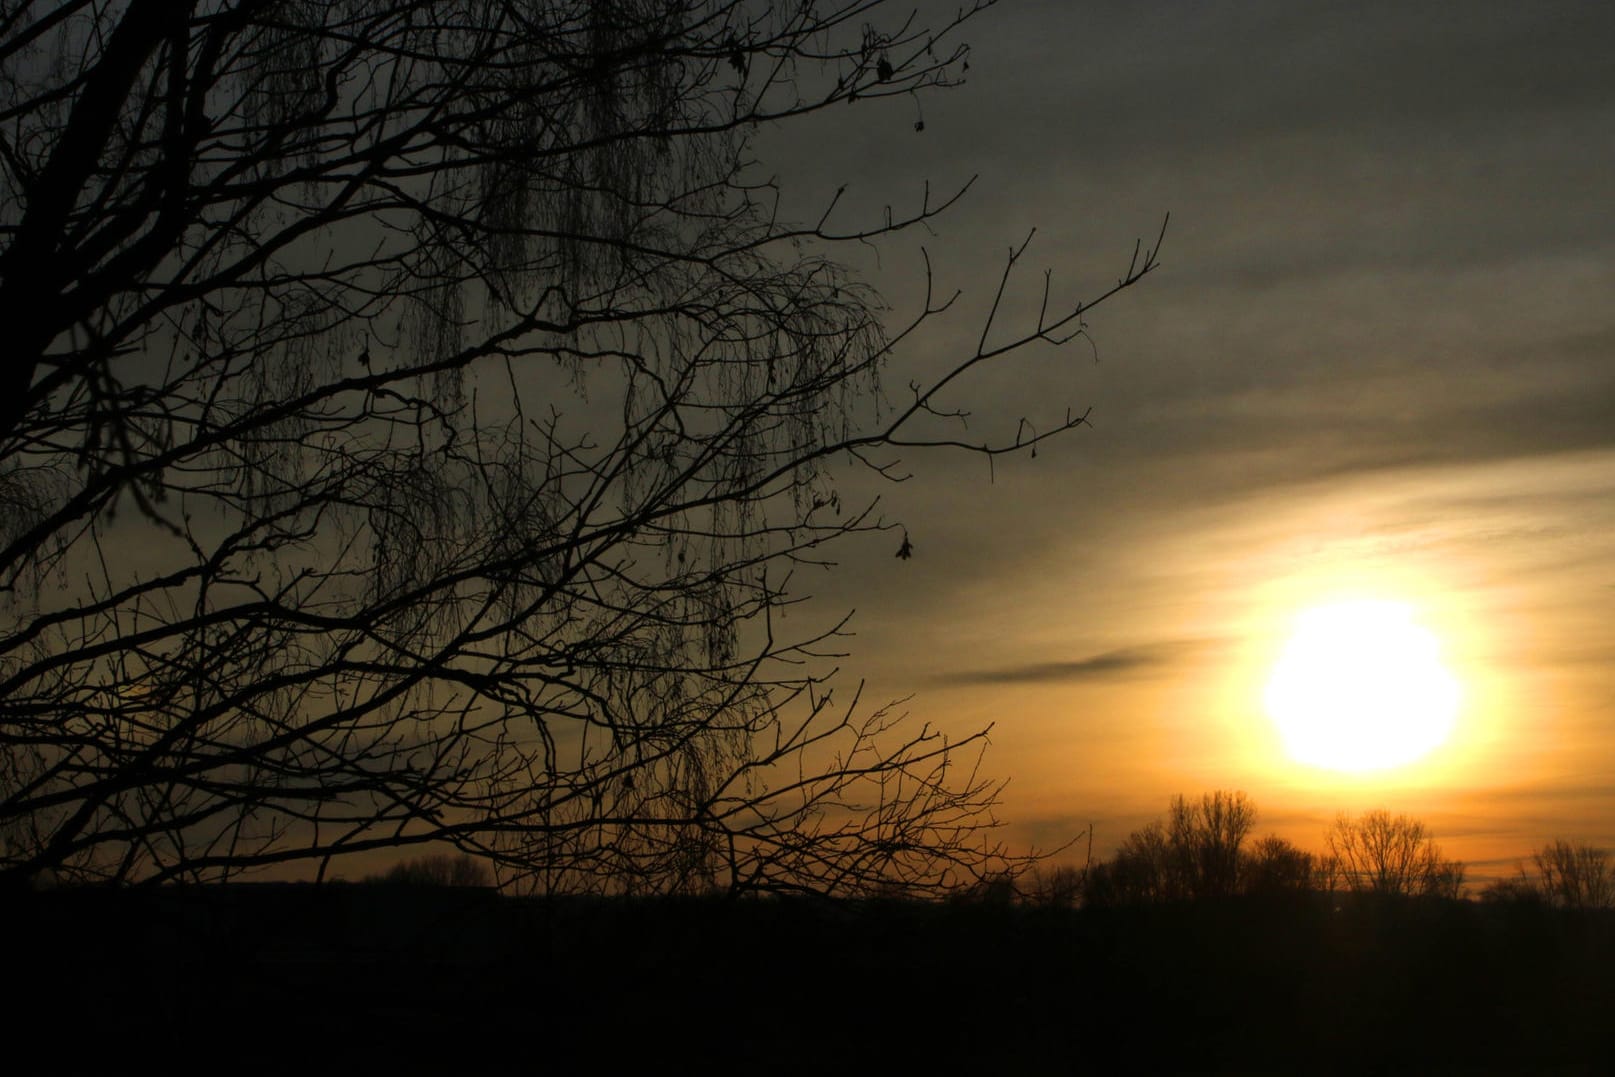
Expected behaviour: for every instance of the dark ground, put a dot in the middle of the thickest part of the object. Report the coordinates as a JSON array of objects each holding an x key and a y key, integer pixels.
[{"x": 341, "y": 978}]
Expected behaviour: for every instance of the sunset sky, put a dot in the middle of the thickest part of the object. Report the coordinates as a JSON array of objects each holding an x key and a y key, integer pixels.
[{"x": 1378, "y": 361}]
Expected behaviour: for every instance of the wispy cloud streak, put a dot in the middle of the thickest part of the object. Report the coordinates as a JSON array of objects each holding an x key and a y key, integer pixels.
[{"x": 1122, "y": 662}]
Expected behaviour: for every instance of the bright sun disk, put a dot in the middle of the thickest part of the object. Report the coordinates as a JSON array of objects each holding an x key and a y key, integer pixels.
[{"x": 1361, "y": 686}]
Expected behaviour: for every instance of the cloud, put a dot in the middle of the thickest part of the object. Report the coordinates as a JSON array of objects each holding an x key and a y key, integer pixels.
[
  {"x": 1107, "y": 665},
  {"x": 1590, "y": 792}
]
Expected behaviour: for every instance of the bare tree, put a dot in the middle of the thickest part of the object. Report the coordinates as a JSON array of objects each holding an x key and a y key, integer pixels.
[
  {"x": 1519, "y": 889},
  {"x": 1575, "y": 876},
  {"x": 1144, "y": 869},
  {"x": 412, "y": 415},
  {"x": 1206, "y": 836},
  {"x": 1057, "y": 886},
  {"x": 437, "y": 869},
  {"x": 1274, "y": 866},
  {"x": 1194, "y": 854},
  {"x": 1384, "y": 854}
]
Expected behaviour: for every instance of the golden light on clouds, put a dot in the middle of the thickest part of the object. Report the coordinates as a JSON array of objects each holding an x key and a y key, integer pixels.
[{"x": 1362, "y": 686}]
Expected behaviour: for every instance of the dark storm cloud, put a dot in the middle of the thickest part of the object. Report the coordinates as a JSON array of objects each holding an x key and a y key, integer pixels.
[{"x": 1123, "y": 662}]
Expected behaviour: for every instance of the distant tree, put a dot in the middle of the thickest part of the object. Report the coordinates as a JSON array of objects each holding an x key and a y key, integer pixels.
[
  {"x": 1379, "y": 853},
  {"x": 1518, "y": 889},
  {"x": 1274, "y": 866},
  {"x": 1575, "y": 876},
  {"x": 1194, "y": 853},
  {"x": 1448, "y": 882},
  {"x": 1326, "y": 873},
  {"x": 1146, "y": 867},
  {"x": 1138, "y": 872},
  {"x": 999, "y": 888},
  {"x": 1206, "y": 836},
  {"x": 1054, "y": 886},
  {"x": 437, "y": 869}
]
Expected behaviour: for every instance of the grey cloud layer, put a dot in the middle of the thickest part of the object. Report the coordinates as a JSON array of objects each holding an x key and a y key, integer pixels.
[{"x": 1123, "y": 662}]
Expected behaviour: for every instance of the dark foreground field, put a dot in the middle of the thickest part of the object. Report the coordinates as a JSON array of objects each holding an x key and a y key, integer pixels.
[{"x": 357, "y": 979}]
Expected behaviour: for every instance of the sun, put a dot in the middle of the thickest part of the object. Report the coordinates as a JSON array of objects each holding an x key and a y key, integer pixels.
[{"x": 1361, "y": 686}]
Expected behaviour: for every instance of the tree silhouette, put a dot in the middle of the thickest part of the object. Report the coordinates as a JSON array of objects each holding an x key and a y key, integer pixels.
[
  {"x": 1575, "y": 876},
  {"x": 1273, "y": 867},
  {"x": 1379, "y": 853},
  {"x": 436, "y": 869},
  {"x": 1194, "y": 854},
  {"x": 1144, "y": 869},
  {"x": 1206, "y": 836},
  {"x": 412, "y": 417},
  {"x": 1057, "y": 886}
]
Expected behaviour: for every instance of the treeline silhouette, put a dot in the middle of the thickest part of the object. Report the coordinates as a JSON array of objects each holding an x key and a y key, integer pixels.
[
  {"x": 1203, "y": 849},
  {"x": 357, "y": 978},
  {"x": 1196, "y": 947},
  {"x": 435, "y": 869}
]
